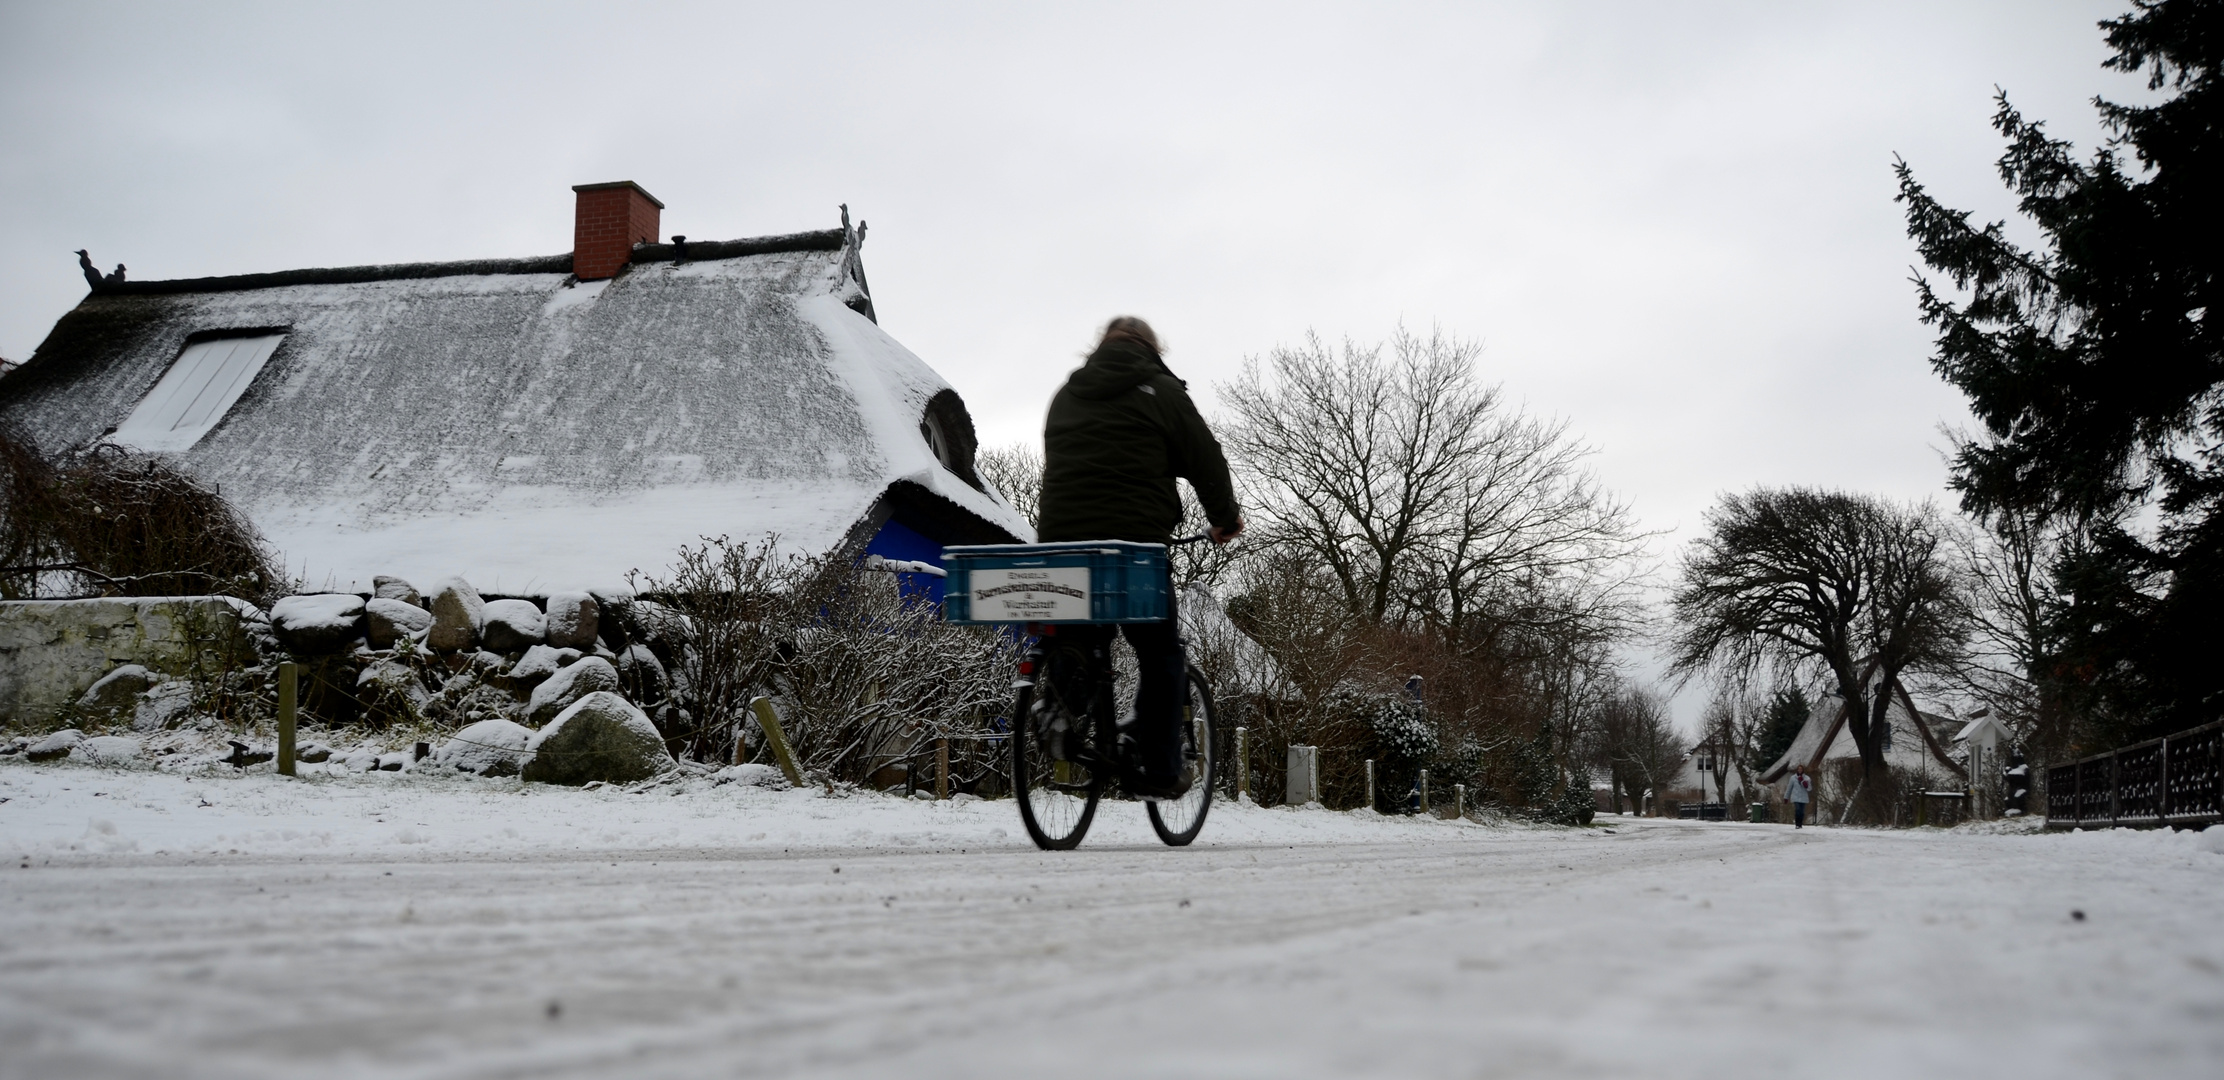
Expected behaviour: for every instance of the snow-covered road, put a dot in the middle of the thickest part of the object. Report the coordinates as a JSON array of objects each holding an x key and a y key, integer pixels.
[{"x": 413, "y": 927}]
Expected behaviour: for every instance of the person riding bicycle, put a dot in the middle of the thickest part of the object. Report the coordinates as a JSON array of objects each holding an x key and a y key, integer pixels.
[{"x": 1119, "y": 433}]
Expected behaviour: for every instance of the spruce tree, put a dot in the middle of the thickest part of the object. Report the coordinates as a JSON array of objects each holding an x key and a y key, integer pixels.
[
  {"x": 2094, "y": 366},
  {"x": 1787, "y": 713}
]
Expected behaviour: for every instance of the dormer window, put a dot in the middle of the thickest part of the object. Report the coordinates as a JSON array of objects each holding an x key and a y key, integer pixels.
[
  {"x": 938, "y": 441},
  {"x": 948, "y": 431},
  {"x": 203, "y": 384}
]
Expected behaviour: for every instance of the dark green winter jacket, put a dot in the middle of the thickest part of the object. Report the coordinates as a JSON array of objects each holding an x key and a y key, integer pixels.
[{"x": 1120, "y": 431}]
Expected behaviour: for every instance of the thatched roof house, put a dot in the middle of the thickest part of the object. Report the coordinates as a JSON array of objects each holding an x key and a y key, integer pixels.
[
  {"x": 1914, "y": 741},
  {"x": 531, "y": 424}
]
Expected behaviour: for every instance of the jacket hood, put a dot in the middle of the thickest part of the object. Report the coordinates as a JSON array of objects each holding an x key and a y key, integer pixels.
[{"x": 1115, "y": 369}]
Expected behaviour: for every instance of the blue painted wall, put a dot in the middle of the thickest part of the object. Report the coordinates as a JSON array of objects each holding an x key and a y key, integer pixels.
[{"x": 896, "y": 540}]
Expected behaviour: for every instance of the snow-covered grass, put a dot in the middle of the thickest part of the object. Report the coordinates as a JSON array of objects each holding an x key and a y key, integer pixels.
[
  {"x": 431, "y": 926},
  {"x": 335, "y": 810}
]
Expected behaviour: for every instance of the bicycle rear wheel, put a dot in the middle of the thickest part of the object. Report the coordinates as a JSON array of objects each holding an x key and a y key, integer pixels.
[
  {"x": 1178, "y": 821},
  {"x": 1052, "y": 752}
]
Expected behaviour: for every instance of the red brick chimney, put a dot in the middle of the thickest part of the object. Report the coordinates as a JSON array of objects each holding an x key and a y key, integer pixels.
[{"x": 612, "y": 218}]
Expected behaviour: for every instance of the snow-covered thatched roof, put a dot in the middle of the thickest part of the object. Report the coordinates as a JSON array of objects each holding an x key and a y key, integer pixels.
[
  {"x": 504, "y": 421},
  {"x": 1914, "y": 742},
  {"x": 1237, "y": 660}
]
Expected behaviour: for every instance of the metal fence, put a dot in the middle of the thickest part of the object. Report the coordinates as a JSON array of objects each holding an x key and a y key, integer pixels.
[{"x": 2168, "y": 781}]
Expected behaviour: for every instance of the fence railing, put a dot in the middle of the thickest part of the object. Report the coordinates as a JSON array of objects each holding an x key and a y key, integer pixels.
[{"x": 2173, "y": 780}]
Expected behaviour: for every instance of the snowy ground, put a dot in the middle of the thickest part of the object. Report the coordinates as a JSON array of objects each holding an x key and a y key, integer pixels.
[{"x": 153, "y": 924}]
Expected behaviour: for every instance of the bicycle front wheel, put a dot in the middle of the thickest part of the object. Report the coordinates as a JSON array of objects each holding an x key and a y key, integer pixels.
[
  {"x": 1178, "y": 821},
  {"x": 1052, "y": 750}
]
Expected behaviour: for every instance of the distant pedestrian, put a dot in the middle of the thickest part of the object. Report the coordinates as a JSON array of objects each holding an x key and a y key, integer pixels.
[{"x": 1799, "y": 789}]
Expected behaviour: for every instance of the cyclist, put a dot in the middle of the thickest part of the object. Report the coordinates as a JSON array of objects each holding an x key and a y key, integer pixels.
[{"x": 1119, "y": 432}]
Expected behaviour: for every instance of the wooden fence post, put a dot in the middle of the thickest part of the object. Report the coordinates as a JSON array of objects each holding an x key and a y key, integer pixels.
[
  {"x": 1424, "y": 791},
  {"x": 1459, "y": 802},
  {"x": 1243, "y": 763},
  {"x": 1370, "y": 783},
  {"x": 942, "y": 768},
  {"x": 769, "y": 720},
  {"x": 289, "y": 680}
]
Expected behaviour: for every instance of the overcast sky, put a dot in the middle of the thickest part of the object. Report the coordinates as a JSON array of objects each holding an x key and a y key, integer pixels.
[{"x": 1671, "y": 224}]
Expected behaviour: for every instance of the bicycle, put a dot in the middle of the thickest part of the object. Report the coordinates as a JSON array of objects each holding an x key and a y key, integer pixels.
[{"x": 1064, "y": 737}]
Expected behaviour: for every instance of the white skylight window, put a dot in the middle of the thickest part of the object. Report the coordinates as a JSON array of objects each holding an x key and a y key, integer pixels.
[{"x": 200, "y": 387}]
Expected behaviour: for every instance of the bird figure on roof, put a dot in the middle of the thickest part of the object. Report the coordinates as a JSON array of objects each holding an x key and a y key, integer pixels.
[{"x": 92, "y": 274}]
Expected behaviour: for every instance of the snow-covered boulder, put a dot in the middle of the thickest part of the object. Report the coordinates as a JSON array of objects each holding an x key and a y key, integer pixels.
[
  {"x": 163, "y": 706},
  {"x": 458, "y": 615},
  {"x": 394, "y": 588},
  {"x": 110, "y": 750},
  {"x": 568, "y": 686},
  {"x": 56, "y": 746},
  {"x": 642, "y": 673},
  {"x": 614, "y": 612},
  {"x": 512, "y": 625},
  {"x": 752, "y": 774},
  {"x": 389, "y": 620},
  {"x": 573, "y": 620},
  {"x": 119, "y": 689},
  {"x": 488, "y": 748},
  {"x": 317, "y": 623},
  {"x": 600, "y": 737},
  {"x": 540, "y": 662},
  {"x": 660, "y": 626},
  {"x": 390, "y": 690}
]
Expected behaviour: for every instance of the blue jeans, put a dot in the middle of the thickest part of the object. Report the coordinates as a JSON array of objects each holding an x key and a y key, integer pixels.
[{"x": 1799, "y": 815}]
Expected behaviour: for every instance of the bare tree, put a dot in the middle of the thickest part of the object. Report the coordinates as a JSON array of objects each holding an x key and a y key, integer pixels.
[
  {"x": 1016, "y": 471},
  {"x": 1732, "y": 727},
  {"x": 1357, "y": 459},
  {"x": 2009, "y": 664},
  {"x": 1442, "y": 533},
  {"x": 1638, "y": 745},
  {"x": 1428, "y": 499},
  {"x": 1792, "y": 579}
]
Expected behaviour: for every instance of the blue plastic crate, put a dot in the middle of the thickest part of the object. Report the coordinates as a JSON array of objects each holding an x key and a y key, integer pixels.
[{"x": 1101, "y": 581}]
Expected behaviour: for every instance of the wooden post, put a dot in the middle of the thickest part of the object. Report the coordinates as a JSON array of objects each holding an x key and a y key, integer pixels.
[
  {"x": 1424, "y": 791},
  {"x": 289, "y": 680},
  {"x": 769, "y": 720},
  {"x": 1370, "y": 783},
  {"x": 942, "y": 768},
  {"x": 1243, "y": 763},
  {"x": 1459, "y": 802}
]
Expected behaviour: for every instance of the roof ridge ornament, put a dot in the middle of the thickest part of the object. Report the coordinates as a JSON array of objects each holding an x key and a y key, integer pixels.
[{"x": 853, "y": 266}]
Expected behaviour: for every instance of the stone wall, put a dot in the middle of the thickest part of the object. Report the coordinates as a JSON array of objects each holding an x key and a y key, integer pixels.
[{"x": 52, "y": 651}]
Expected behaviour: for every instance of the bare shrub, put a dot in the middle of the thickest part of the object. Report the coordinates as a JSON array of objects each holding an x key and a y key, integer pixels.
[
  {"x": 866, "y": 673},
  {"x": 875, "y": 675},
  {"x": 114, "y": 522}
]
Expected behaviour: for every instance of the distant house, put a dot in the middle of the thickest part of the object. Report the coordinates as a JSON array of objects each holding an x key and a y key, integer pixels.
[
  {"x": 1705, "y": 776},
  {"x": 1914, "y": 741},
  {"x": 532, "y": 424}
]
